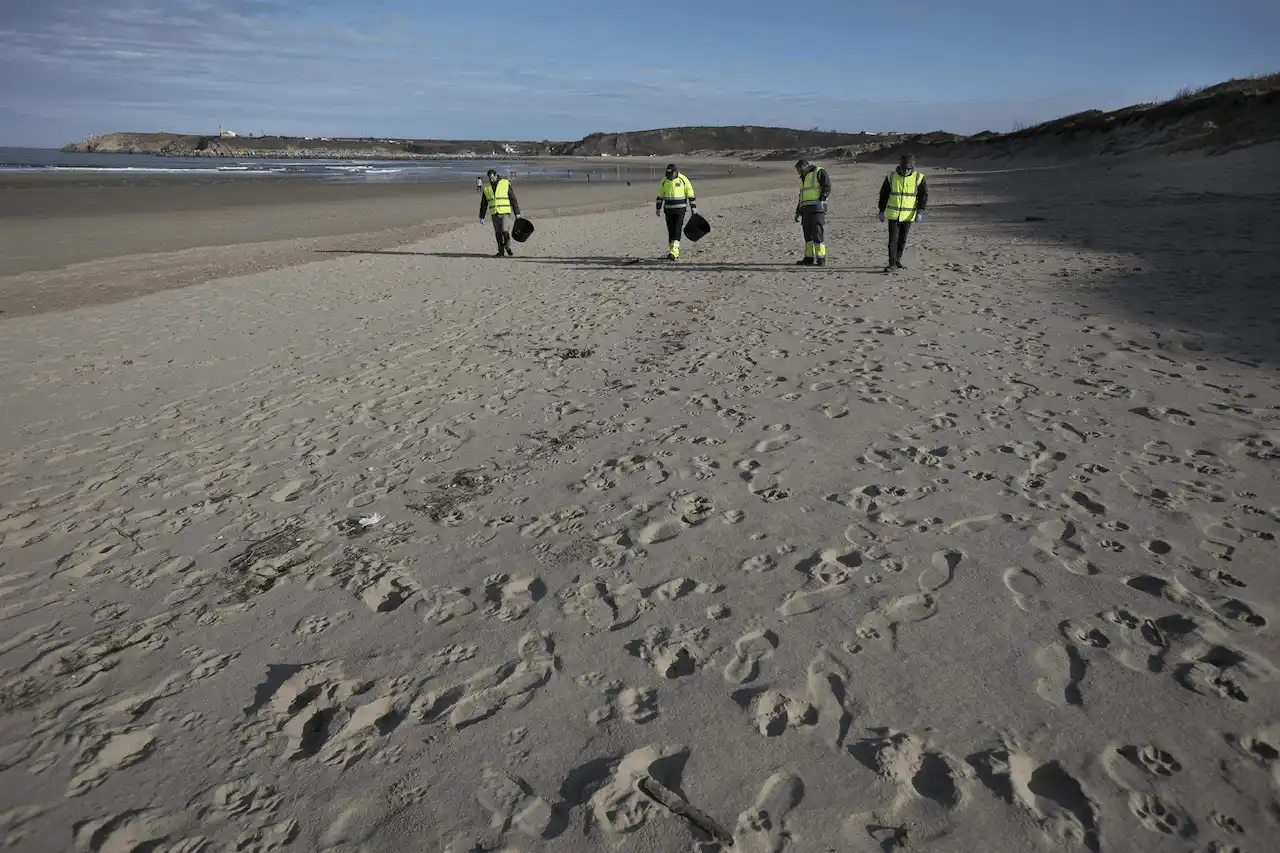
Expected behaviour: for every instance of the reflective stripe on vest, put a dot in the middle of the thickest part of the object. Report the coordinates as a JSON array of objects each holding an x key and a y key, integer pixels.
[
  {"x": 810, "y": 189},
  {"x": 675, "y": 192},
  {"x": 902, "y": 196},
  {"x": 498, "y": 197}
]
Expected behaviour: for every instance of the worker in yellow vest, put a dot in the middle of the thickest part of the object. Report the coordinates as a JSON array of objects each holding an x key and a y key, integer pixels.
[
  {"x": 675, "y": 200},
  {"x": 811, "y": 212},
  {"x": 903, "y": 198},
  {"x": 498, "y": 200}
]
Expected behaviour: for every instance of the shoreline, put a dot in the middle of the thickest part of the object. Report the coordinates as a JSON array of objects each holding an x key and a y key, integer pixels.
[{"x": 66, "y": 244}]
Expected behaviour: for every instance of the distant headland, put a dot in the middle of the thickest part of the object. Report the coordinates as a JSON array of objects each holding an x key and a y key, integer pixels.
[{"x": 1216, "y": 118}]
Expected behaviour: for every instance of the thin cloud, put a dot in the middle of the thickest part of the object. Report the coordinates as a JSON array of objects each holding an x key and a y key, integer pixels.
[{"x": 76, "y": 67}]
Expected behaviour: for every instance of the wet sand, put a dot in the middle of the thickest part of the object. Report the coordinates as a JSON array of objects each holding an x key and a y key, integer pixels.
[{"x": 67, "y": 242}]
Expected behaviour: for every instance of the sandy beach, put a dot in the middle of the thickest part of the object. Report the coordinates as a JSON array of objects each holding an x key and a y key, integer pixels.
[
  {"x": 366, "y": 541},
  {"x": 66, "y": 242}
]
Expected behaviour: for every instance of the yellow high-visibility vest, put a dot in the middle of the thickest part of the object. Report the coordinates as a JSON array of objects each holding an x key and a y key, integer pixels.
[
  {"x": 902, "y": 196},
  {"x": 498, "y": 197},
  {"x": 675, "y": 192},
  {"x": 810, "y": 189}
]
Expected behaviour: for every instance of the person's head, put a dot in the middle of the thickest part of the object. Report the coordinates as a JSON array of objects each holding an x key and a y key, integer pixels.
[
  {"x": 907, "y": 163},
  {"x": 672, "y": 171},
  {"x": 492, "y": 175},
  {"x": 802, "y": 166}
]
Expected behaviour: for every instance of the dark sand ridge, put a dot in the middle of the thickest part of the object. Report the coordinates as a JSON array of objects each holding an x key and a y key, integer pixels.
[{"x": 72, "y": 242}]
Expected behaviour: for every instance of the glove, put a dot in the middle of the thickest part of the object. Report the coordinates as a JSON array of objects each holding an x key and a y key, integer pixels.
[
  {"x": 919, "y": 215},
  {"x": 658, "y": 212},
  {"x": 693, "y": 211},
  {"x": 880, "y": 216},
  {"x": 797, "y": 217}
]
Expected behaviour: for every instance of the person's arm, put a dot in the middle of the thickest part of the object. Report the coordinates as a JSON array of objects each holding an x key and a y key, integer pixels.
[
  {"x": 693, "y": 203},
  {"x": 659, "y": 203},
  {"x": 922, "y": 194},
  {"x": 511, "y": 194},
  {"x": 824, "y": 185},
  {"x": 484, "y": 204},
  {"x": 885, "y": 190}
]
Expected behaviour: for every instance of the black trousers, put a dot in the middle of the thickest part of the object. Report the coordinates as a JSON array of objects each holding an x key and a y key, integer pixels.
[
  {"x": 501, "y": 232},
  {"x": 814, "y": 225},
  {"x": 897, "y": 240},
  {"x": 675, "y": 224}
]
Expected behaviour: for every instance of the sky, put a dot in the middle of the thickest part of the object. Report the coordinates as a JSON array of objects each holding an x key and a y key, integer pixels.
[{"x": 561, "y": 69}]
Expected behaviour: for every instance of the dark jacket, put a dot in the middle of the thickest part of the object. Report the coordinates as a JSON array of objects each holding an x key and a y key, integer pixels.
[
  {"x": 922, "y": 193},
  {"x": 511, "y": 194},
  {"x": 824, "y": 184}
]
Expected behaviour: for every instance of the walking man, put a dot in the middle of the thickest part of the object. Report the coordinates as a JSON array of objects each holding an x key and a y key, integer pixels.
[
  {"x": 903, "y": 198},
  {"x": 811, "y": 212},
  {"x": 498, "y": 199},
  {"x": 675, "y": 200}
]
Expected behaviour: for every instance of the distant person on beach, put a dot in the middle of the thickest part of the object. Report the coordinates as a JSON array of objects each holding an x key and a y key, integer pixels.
[
  {"x": 675, "y": 200},
  {"x": 811, "y": 212},
  {"x": 903, "y": 198},
  {"x": 498, "y": 200}
]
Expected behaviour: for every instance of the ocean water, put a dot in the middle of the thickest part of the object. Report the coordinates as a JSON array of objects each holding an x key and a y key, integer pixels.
[{"x": 29, "y": 160}]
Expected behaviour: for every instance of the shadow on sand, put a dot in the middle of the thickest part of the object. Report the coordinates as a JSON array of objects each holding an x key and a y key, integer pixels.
[
  {"x": 1198, "y": 254},
  {"x": 622, "y": 263}
]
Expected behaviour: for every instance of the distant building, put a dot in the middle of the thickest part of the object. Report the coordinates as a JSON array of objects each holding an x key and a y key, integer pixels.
[{"x": 225, "y": 132}]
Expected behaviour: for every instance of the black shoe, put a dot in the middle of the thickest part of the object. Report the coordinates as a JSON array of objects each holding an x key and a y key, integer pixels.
[
  {"x": 901, "y": 265},
  {"x": 510, "y": 254},
  {"x": 890, "y": 268},
  {"x": 821, "y": 262},
  {"x": 498, "y": 254},
  {"x": 806, "y": 262}
]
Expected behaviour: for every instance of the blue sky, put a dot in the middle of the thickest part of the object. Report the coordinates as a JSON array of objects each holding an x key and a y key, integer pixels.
[{"x": 556, "y": 69}]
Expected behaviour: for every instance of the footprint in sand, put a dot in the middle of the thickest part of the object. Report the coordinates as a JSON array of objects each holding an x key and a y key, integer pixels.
[
  {"x": 620, "y": 806},
  {"x": 1052, "y": 797},
  {"x": 763, "y": 827},
  {"x": 511, "y": 803},
  {"x": 770, "y": 445},
  {"x": 820, "y": 709},
  {"x": 508, "y": 600},
  {"x": 1055, "y": 538},
  {"x": 310, "y": 625},
  {"x": 1062, "y": 671},
  {"x": 639, "y": 705},
  {"x": 1161, "y": 816},
  {"x": 749, "y": 651},
  {"x": 673, "y": 652},
  {"x": 108, "y": 753},
  {"x": 759, "y": 563},
  {"x": 1026, "y": 587},
  {"x": 290, "y": 491},
  {"x": 1139, "y": 768},
  {"x": 660, "y": 531}
]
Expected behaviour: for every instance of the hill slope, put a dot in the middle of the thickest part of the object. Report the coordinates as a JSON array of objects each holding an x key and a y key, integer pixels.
[
  {"x": 712, "y": 140},
  {"x": 1216, "y": 118},
  {"x": 1219, "y": 118}
]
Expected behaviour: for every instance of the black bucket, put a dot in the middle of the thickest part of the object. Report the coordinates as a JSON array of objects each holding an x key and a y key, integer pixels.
[
  {"x": 521, "y": 230},
  {"x": 696, "y": 228}
]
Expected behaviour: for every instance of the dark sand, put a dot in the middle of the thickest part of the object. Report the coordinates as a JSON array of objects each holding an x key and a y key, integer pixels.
[{"x": 72, "y": 241}]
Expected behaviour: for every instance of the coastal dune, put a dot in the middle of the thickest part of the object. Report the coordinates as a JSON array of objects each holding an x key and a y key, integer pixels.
[{"x": 410, "y": 548}]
